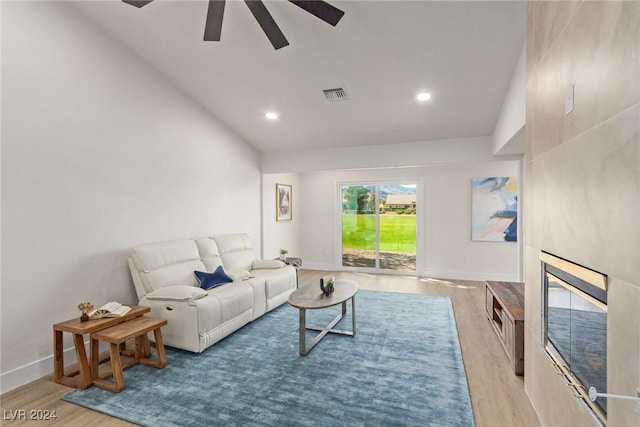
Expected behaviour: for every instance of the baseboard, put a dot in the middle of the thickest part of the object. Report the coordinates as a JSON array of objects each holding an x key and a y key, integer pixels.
[
  {"x": 32, "y": 371},
  {"x": 36, "y": 370}
]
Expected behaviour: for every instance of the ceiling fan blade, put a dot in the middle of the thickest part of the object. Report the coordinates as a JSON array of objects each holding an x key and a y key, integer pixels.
[
  {"x": 213, "y": 26},
  {"x": 321, "y": 9},
  {"x": 137, "y": 3},
  {"x": 267, "y": 23}
]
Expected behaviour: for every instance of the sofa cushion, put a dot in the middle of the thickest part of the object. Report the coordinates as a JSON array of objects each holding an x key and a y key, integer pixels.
[
  {"x": 172, "y": 275},
  {"x": 211, "y": 280},
  {"x": 223, "y": 304},
  {"x": 235, "y": 251},
  {"x": 177, "y": 293},
  {"x": 277, "y": 281},
  {"x": 239, "y": 275},
  {"x": 209, "y": 253},
  {"x": 167, "y": 264},
  {"x": 267, "y": 263},
  {"x": 155, "y": 256},
  {"x": 235, "y": 298}
]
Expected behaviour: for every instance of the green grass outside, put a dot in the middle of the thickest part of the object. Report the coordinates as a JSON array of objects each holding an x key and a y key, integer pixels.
[{"x": 397, "y": 232}]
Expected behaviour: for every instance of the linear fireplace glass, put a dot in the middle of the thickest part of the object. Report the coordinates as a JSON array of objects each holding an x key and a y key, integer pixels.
[{"x": 576, "y": 327}]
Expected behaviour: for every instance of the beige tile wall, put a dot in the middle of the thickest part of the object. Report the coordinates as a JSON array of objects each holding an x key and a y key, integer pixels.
[{"x": 582, "y": 185}]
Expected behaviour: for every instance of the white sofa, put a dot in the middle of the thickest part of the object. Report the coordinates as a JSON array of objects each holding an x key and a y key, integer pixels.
[{"x": 164, "y": 279}]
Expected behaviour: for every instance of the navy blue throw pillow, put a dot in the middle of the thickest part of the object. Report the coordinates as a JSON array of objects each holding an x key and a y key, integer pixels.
[{"x": 211, "y": 280}]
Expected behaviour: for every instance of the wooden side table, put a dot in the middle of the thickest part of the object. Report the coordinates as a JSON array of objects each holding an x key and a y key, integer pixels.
[
  {"x": 118, "y": 336},
  {"x": 81, "y": 378}
]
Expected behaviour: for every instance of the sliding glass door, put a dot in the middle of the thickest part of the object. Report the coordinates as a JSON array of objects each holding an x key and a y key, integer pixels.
[
  {"x": 398, "y": 227},
  {"x": 359, "y": 228},
  {"x": 378, "y": 226}
]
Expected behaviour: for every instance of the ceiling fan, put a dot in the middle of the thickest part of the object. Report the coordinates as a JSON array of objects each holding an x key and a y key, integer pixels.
[{"x": 213, "y": 26}]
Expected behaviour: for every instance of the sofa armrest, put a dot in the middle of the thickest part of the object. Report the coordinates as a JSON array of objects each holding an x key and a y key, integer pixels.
[
  {"x": 267, "y": 264},
  {"x": 176, "y": 293},
  {"x": 239, "y": 275}
]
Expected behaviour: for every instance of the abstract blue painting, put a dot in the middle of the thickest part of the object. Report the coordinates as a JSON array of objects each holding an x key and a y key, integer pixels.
[{"x": 494, "y": 209}]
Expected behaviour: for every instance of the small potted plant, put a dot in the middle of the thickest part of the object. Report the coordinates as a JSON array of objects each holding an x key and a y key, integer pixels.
[
  {"x": 85, "y": 308},
  {"x": 283, "y": 254}
]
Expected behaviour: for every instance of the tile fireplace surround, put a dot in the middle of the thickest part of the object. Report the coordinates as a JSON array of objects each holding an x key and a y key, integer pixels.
[{"x": 582, "y": 187}]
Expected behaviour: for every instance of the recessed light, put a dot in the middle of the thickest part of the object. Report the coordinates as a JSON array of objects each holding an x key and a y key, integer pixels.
[
  {"x": 271, "y": 115},
  {"x": 424, "y": 96}
]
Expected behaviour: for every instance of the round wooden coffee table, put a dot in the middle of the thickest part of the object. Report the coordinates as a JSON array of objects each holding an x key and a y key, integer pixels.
[{"x": 310, "y": 297}]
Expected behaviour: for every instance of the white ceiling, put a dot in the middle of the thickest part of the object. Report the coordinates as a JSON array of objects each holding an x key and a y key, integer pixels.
[{"x": 383, "y": 52}]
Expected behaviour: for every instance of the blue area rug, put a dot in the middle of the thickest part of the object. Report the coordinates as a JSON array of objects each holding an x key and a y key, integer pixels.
[{"x": 403, "y": 368}]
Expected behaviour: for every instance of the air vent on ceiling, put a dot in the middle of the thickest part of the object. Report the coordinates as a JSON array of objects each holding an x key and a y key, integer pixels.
[{"x": 335, "y": 94}]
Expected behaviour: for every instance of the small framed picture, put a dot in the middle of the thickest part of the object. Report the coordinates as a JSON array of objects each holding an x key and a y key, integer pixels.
[{"x": 283, "y": 202}]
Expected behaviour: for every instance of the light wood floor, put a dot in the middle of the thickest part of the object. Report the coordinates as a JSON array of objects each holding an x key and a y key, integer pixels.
[{"x": 497, "y": 395}]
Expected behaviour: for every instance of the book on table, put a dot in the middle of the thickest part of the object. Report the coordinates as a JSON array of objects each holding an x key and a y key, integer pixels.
[{"x": 110, "y": 309}]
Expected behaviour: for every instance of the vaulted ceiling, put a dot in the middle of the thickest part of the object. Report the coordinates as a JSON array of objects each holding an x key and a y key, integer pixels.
[{"x": 383, "y": 52}]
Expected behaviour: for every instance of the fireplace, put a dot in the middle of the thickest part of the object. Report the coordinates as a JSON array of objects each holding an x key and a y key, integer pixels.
[{"x": 575, "y": 327}]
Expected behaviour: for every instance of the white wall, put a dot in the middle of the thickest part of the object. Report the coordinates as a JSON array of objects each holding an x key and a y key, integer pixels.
[
  {"x": 99, "y": 154},
  {"x": 445, "y": 225}
]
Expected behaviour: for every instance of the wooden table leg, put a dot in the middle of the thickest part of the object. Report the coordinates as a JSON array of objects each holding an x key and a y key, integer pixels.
[
  {"x": 146, "y": 347},
  {"x": 58, "y": 354},
  {"x": 161, "y": 362},
  {"x": 116, "y": 365},
  {"x": 83, "y": 363},
  {"x": 162, "y": 357},
  {"x": 94, "y": 359},
  {"x": 143, "y": 348},
  {"x": 139, "y": 346}
]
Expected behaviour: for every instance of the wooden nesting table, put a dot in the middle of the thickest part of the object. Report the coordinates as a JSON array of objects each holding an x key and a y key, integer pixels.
[
  {"x": 117, "y": 336},
  {"x": 81, "y": 378}
]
